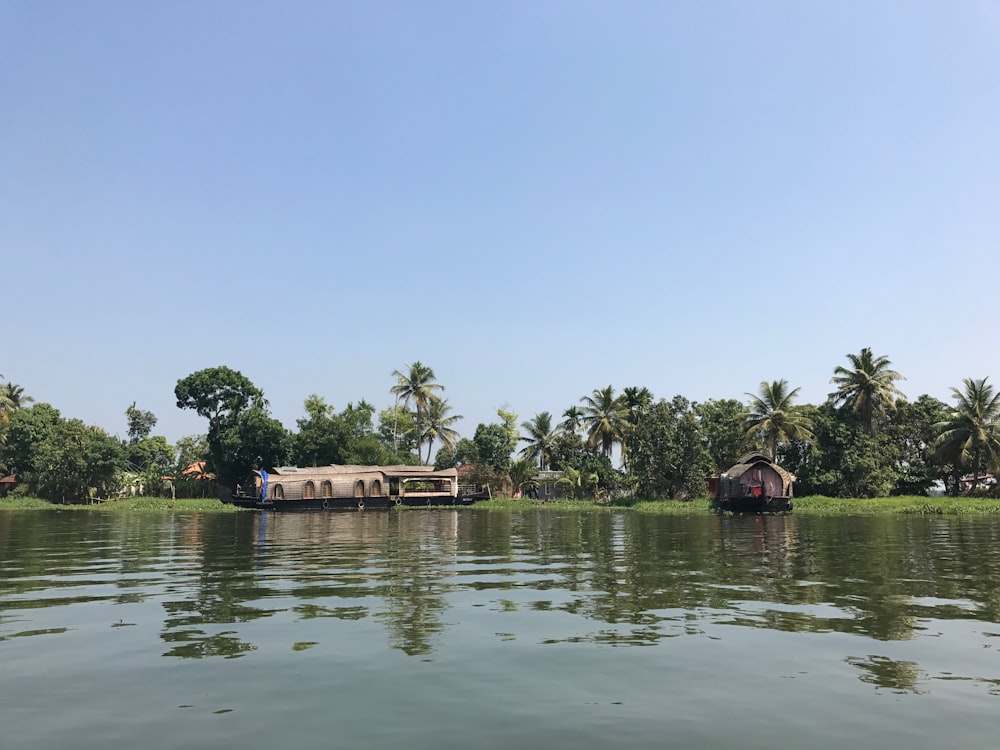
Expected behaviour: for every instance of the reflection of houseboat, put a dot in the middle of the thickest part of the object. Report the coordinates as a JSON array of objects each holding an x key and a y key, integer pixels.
[
  {"x": 755, "y": 485},
  {"x": 330, "y": 487}
]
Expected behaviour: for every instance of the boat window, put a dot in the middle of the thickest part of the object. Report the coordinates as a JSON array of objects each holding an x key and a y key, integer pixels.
[
  {"x": 376, "y": 488},
  {"x": 359, "y": 488},
  {"x": 309, "y": 491},
  {"x": 277, "y": 492},
  {"x": 327, "y": 488}
]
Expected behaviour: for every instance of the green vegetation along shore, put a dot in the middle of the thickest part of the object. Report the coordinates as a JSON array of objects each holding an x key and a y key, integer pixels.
[{"x": 807, "y": 506}]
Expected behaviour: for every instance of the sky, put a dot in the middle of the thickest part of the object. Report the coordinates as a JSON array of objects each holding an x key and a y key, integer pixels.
[{"x": 536, "y": 199}]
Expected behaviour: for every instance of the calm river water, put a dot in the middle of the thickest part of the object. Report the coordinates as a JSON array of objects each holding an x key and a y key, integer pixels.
[{"x": 480, "y": 629}]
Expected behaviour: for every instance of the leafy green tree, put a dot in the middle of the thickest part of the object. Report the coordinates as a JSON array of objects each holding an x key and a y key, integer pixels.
[
  {"x": 218, "y": 394},
  {"x": 723, "y": 428},
  {"x": 568, "y": 450},
  {"x": 29, "y": 428},
  {"x": 668, "y": 456},
  {"x": 774, "y": 419},
  {"x": 241, "y": 435},
  {"x": 540, "y": 437},
  {"x": 255, "y": 440},
  {"x": 841, "y": 459},
  {"x": 75, "y": 462},
  {"x": 319, "y": 440},
  {"x": 603, "y": 418},
  {"x": 970, "y": 436},
  {"x": 140, "y": 423},
  {"x": 416, "y": 386},
  {"x": 912, "y": 431},
  {"x": 494, "y": 444},
  {"x": 438, "y": 425},
  {"x": 397, "y": 431},
  {"x": 868, "y": 387}
]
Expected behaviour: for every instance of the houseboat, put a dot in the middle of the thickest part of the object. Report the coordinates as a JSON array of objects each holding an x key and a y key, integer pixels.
[
  {"x": 756, "y": 484},
  {"x": 349, "y": 487}
]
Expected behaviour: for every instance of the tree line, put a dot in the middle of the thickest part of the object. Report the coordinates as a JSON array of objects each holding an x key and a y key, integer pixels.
[{"x": 865, "y": 440}]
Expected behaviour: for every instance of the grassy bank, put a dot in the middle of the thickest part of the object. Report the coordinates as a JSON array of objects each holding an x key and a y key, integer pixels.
[
  {"x": 130, "y": 505},
  {"x": 807, "y": 506},
  {"x": 811, "y": 506}
]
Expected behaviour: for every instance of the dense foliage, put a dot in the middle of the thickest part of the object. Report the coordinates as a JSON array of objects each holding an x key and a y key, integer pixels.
[{"x": 866, "y": 440}]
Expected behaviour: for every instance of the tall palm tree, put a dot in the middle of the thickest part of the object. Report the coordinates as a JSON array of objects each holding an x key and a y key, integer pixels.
[
  {"x": 438, "y": 424},
  {"x": 416, "y": 386},
  {"x": 572, "y": 420},
  {"x": 773, "y": 418},
  {"x": 867, "y": 387},
  {"x": 603, "y": 419},
  {"x": 636, "y": 402},
  {"x": 541, "y": 435},
  {"x": 970, "y": 437}
]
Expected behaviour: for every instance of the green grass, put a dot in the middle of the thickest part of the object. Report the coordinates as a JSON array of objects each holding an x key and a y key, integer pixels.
[
  {"x": 130, "y": 505},
  {"x": 949, "y": 506},
  {"x": 806, "y": 506}
]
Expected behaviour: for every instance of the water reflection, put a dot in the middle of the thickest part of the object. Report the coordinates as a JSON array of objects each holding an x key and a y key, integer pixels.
[{"x": 425, "y": 577}]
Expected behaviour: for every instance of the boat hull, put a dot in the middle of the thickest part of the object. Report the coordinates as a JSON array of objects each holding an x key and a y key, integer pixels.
[
  {"x": 343, "y": 503},
  {"x": 755, "y": 504}
]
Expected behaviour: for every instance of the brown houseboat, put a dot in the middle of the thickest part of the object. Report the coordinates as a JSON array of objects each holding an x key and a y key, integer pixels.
[
  {"x": 756, "y": 484},
  {"x": 344, "y": 486}
]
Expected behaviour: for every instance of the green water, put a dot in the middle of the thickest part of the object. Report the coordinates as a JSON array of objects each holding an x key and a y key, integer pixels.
[{"x": 475, "y": 629}]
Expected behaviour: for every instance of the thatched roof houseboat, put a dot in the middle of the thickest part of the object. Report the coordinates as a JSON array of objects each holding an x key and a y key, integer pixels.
[
  {"x": 346, "y": 486},
  {"x": 755, "y": 484}
]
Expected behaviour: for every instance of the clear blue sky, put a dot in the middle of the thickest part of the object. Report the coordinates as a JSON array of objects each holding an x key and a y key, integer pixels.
[{"x": 534, "y": 198}]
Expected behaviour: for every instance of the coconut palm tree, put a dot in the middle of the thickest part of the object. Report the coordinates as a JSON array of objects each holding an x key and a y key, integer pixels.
[
  {"x": 521, "y": 475},
  {"x": 572, "y": 420},
  {"x": 415, "y": 386},
  {"x": 867, "y": 387},
  {"x": 12, "y": 398},
  {"x": 438, "y": 425},
  {"x": 773, "y": 418},
  {"x": 970, "y": 437},
  {"x": 636, "y": 402},
  {"x": 603, "y": 419},
  {"x": 541, "y": 435},
  {"x": 578, "y": 481}
]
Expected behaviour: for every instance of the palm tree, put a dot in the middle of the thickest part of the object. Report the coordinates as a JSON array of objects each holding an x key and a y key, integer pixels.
[
  {"x": 636, "y": 402},
  {"x": 416, "y": 386},
  {"x": 12, "y": 398},
  {"x": 438, "y": 425},
  {"x": 521, "y": 475},
  {"x": 572, "y": 420},
  {"x": 774, "y": 419},
  {"x": 578, "y": 481},
  {"x": 867, "y": 387},
  {"x": 540, "y": 439},
  {"x": 970, "y": 437},
  {"x": 603, "y": 418}
]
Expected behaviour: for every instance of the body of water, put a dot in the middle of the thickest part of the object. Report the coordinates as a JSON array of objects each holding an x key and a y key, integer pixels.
[{"x": 471, "y": 628}]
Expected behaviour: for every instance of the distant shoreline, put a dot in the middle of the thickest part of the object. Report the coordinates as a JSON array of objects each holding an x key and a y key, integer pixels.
[{"x": 806, "y": 506}]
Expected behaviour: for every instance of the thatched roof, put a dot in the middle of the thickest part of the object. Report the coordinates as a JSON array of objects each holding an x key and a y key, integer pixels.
[{"x": 753, "y": 459}]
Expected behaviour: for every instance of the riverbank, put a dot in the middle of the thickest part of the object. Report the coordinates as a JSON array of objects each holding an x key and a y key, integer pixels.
[
  {"x": 812, "y": 506},
  {"x": 129, "y": 504}
]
